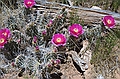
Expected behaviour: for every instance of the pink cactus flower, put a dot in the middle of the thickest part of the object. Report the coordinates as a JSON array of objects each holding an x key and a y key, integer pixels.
[
  {"x": 34, "y": 39},
  {"x": 3, "y": 41},
  {"x": 55, "y": 49},
  {"x": 18, "y": 41},
  {"x": 57, "y": 61},
  {"x": 37, "y": 48},
  {"x": 50, "y": 23},
  {"x": 13, "y": 64},
  {"x": 44, "y": 32},
  {"x": 5, "y": 32},
  {"x": 60, "y": 16},
  {"x": 108, "y": 21},
  {"x": 58, "y": 40},
  {"x": 29, "y": 3},
  {"x": 49, "y": 65},
  {"x": 76, "y": 30}
]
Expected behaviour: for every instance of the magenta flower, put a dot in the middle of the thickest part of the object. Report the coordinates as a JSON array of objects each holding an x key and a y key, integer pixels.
[
  {"x": 55, "y": 49},
  {"x": 5, "y": 32},
  {"x": 75, "y": 30},
  {"x": 3, "y": 41},
  {"x": 57, "y": 61},
  {"x": 50, "y": 23},
  {"x": 44, "y": 32},
  {"x": 29, "y": 3},
  {"x": 34, "y": 39},
  {"x": 13, "y": 64},
  {"x": 108, "y": 21},
  {"x": 18, "y": 41},
  {"x": 37, "y": 48},
  {"x": 58, "y": 40},
  {"x": 49, "y": 65}
]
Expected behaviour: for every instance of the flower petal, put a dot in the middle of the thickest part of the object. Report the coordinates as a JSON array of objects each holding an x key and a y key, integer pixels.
[
  {"x": 75, "y": 30},
  {"x": 58, "y": 40},
  {"x": 29, "y": 3},
  {"x": 108, "y": 21}
]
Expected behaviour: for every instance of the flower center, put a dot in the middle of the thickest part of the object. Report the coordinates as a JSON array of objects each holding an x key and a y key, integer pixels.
[
  {"x": 75, "y": 30},
  {"x": 5, "y": 34},
  {"x": 58, "y": 39},
  {"x": 109, "y": 21},
  {"x": 2, "y": 40},
  {"x": 29, "y": 2}
]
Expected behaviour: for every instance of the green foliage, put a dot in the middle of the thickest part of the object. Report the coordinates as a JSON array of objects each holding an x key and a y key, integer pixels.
[
  {"x": 114, "y": 5},
  {"x": 104, "y": 56},
  {"x": 74, "y": 18},
  {"x": 79, "y": 2},
  {"x": 32, "y": 31},
  {"x": 12, "y": 23},
  {"x": 106, "y": 4},
  {"x": 11, "y": 50},
  {"x": 103, "y": 49},
  {"x": 117, "y": 32}
]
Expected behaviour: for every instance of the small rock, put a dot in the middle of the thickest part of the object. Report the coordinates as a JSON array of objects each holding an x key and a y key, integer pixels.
[
  {"x": 96, "y": 7},
  {"x": 100, "y": 76}
]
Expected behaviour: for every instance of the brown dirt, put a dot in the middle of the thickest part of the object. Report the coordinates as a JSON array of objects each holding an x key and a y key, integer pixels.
[{"x": 70, "y": 72}]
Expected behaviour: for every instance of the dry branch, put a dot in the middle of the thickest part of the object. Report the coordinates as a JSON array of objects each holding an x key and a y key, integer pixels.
[{"x": 88, "y": 15}]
